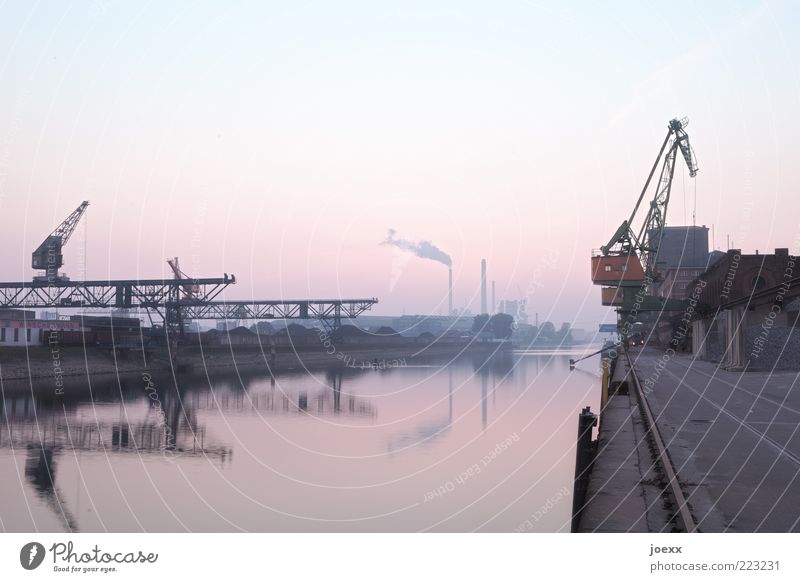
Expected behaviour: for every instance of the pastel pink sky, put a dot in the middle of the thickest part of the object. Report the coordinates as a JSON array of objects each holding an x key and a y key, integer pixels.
[{"x": 280, "y": 142}]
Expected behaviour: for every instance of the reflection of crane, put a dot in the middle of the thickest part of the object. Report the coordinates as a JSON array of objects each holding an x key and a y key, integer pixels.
[
  {"x": 40, "y": 471},
  {"x": 629, "y": 259},
  {"x": 48, "y": 257},
  {"x": 47, "y": 434}
]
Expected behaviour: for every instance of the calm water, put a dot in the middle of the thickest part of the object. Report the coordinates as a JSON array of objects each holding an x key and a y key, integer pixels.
[{"x": 473, "y": 444}]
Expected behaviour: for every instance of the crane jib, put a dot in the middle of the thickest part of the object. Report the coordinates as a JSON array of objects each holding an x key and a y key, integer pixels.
[{"x": 48, "y": 257}]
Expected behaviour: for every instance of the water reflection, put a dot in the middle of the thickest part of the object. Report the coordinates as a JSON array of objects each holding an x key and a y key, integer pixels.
[
  {"x": 313, "y": 453},
  {"x": 144, "y": 417},
  {"x": 164, "y": 424},
  {"x": 427, "y": 433},
  {"x": 40, "y": 472}
]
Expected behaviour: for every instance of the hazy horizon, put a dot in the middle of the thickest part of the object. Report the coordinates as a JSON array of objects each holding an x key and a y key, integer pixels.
[{"x": 281, "y": 143}]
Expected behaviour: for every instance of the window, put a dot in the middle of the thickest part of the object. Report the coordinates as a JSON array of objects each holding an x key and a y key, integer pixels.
[
  {"x": 624, "y": 268},
  {"x": 759, "y": 282},
  {"x": 16, "y": 334},
  {"x": 683, "y": 285},
  {"x": 607, "y": 268},
  {"x": 28, "y": 335},
  {"x": 2, "y": 334}
]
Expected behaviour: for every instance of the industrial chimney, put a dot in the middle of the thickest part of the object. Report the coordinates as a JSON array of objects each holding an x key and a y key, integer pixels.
[
  {"x": 493, "y": 298},
  {"x": 483, "y": 286},
  {"x": 450, "y": 291}
]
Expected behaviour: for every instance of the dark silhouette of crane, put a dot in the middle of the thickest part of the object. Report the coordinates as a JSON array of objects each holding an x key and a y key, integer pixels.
[
  {"x": 189, "y": 288},
  {"x": 48, "y": 256},
  {"x": 40, "y": 471}
]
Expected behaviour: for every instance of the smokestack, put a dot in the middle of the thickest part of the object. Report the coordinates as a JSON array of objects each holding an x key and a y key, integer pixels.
[
  {"x": 493, "y": 296},
  {"x": 450, "y": 291},
  {"x": 483, "y": 286}
]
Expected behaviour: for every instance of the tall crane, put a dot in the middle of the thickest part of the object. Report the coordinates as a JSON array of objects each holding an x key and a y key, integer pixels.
[
  {"x": 628, "y": 263},
  {"x": 187, "y": 293},
  {"x": 48, "y": 257}
]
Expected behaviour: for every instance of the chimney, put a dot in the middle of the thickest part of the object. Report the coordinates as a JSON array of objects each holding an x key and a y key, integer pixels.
[
  {"x": 493, "y": 298},
  {"x": 483, "y": 286},
  {"x": 450, "y": 291}
]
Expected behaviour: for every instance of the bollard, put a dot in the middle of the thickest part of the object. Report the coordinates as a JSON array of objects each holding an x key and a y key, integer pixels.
[{"x": 584, "y": 456}]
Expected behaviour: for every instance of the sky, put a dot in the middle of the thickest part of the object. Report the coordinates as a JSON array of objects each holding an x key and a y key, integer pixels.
[{"x": 281, "y": 141}]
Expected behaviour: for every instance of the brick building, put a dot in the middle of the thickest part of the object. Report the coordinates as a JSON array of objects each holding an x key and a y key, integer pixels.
[{"x": 748, "y": 311}]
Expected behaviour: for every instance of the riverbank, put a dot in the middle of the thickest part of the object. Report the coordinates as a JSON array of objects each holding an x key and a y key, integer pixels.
[{"x": 43, "y": 363}]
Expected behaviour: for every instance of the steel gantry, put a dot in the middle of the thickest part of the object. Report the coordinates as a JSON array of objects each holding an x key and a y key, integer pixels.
[
  {"x": 329, "y": 311},
  {"x": 129, "y": 293},
  {"x": 165, "y": 297},
  {"x": 174, "y": 301},
  {"x": 159, "y": 296}
]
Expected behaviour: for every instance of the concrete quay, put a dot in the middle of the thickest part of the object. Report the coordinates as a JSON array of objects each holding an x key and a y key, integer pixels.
[{"x": 733, "y": 438}]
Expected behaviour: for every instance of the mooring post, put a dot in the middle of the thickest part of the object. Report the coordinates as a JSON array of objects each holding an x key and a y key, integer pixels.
[
  {"x": 604, "y": 385},
  {"x": 584, "y": 455}
]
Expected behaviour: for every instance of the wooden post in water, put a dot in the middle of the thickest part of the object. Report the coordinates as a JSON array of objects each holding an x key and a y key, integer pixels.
[{"x": 604, "y": 385}]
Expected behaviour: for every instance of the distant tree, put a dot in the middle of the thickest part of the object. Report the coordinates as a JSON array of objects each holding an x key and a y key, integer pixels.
[
  {"x": 502, "y": 325},
  {"x": 480, "y": 322},
  {"x": 525, "y": 332},
  {"x": 565, "y": 333},
  {"x": 547, "y": 330},
  {"x": 262, "y": 328}
]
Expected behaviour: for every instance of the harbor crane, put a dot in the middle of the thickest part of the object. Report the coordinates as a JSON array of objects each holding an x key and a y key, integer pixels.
[
  {"x": 173, "y": 300},
  {"x": 627, "y": 265},
  {"x": 190, "y": 290},
  {"x": 48, "y": 256}
]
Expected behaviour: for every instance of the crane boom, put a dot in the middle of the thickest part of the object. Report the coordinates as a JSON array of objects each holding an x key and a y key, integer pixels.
[
  {"x": 190, "y": 289},
  {"x": 48, "y": 257},
  {"x": 66, "y": 228}
]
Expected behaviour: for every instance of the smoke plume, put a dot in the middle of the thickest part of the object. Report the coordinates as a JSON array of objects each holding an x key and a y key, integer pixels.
[{"x": 423, "y": 249}]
